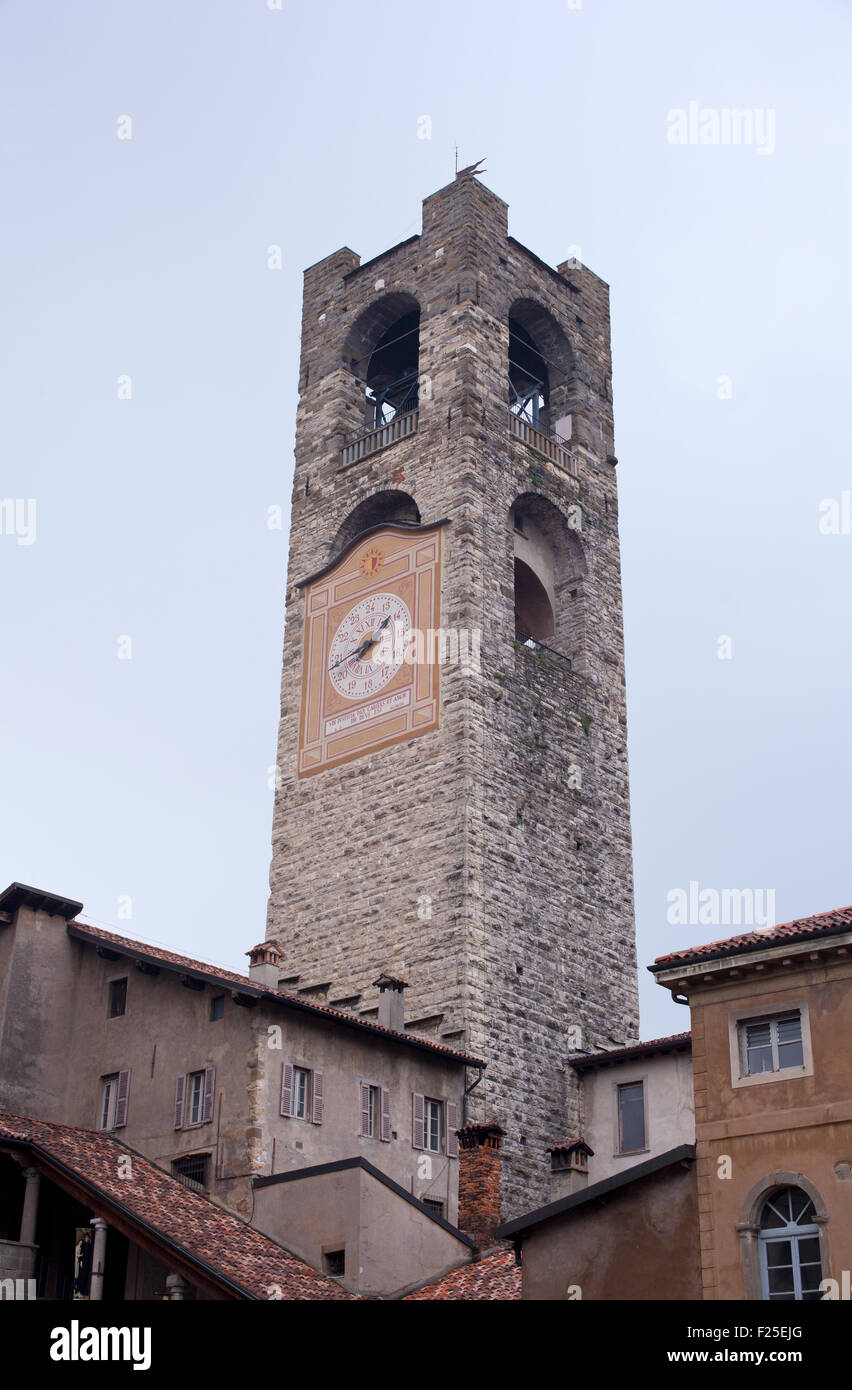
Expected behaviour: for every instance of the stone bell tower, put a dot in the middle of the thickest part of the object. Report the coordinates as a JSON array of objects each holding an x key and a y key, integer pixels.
[{"x": 452, "y": 810}]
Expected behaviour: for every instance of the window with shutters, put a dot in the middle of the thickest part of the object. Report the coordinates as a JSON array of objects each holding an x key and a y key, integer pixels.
[
  {"x": 375, "y": 1112},
  {"x": 632, "y": 1129},
  {"x": 114, "y": 1100},
  {"x": 195, "y": 1094},
  {"x": 434, "y": 1125},
  {"x": 302, "y": 1093}
]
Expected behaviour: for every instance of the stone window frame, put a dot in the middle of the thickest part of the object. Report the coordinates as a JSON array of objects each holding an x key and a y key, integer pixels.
[
  {"x": 634, "y": 1080},
  {"x": 766, "y": 1078},
  {"x": 748, "y": 1228}
]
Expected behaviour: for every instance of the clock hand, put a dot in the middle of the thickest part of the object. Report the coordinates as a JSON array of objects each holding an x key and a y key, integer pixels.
[
  {"x": 349, "y": 657},
  {"x": 365, "y": 645}
]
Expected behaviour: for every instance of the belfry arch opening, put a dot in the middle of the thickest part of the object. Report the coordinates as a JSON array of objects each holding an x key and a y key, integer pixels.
[
  {"x": 541, "y": 372},
  {"x": 533, "y": 609},
  {"x": 549, "y": 575},
  {"x": 382, "y": 350},
  {"x": 528, "y": 380},
  {"x": 382, "y": 509}
]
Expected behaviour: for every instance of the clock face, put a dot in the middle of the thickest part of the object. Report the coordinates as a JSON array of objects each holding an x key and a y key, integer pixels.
[
  {"x": 369, "y": 646},
  {"x": 369, "y": 674}
]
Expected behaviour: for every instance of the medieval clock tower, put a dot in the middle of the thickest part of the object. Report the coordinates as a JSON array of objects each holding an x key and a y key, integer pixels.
[{"x": 452, "y": 805}]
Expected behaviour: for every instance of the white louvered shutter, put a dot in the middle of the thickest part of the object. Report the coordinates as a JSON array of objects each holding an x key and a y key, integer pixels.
[
  {"x": 365, "y": 1110},
  {"x": 418, "y": 1121},
  {"x": 180, "y": 1092},
  {"x": 122, "y": 1099},
  {"x": 386, "y": 1128},
  {"x": 316, "y": 1108},
  {"x": 287, "y": 1089},
  {"x": 452, "y": 1128},
  {"x": 209, "y": 1094}
]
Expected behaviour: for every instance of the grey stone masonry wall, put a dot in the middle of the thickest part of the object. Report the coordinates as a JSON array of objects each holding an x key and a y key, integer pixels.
[{"x": 488, "y": 863}]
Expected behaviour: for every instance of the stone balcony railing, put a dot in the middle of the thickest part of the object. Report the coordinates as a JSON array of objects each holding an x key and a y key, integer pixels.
[
  {"x": 550, "y": 445},
  {"x": 373, "y": 440}
]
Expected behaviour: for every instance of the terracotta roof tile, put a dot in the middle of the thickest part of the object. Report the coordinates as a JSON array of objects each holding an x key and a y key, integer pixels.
[
  {"x": 820, "y": 924},
  {"x": 495, "y": 1277},
  {"x": 203, "y": 1231},
  {"x": 675, "y": 1042},
  {"x": 84, "y": 930}
]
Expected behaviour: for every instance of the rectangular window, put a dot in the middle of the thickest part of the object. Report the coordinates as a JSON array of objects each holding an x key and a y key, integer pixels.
[
  {"x": 432, "y": 1125},
  {"x": 435, "y": 1207},
  {"x": 109, "y": 1095},
  {"x": 117, "y": 997},
  {"x": 191, "y": 1170},
  {"x": 372, "y": 1111},
  {"x": 301, "y": 1093},
  {"x": 195, "y": 1098},
  {"x": 217, "y": 1007},
  {"x": 631, "y": 1117},
  {"x": 771, "y": 1044},
  {"x": 334, "y": 1263}
]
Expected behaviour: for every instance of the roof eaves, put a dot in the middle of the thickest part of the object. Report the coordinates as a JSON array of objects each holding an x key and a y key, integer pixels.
[
  {"x": 112, "y": 1203},
  {"x": 746, "y": 945},
  {"x": 230, "y": 980}
]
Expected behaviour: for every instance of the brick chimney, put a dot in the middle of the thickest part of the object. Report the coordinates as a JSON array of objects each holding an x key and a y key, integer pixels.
[
  {"x": 479, "y": 1181},
  {"x": 569, "y": 1167},
  {"x": 263, "y": 964},
  {"x": 391, "y": 1003}
]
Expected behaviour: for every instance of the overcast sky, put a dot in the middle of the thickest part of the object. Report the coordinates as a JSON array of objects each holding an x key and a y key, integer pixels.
[{"x": 141, "y": 785}]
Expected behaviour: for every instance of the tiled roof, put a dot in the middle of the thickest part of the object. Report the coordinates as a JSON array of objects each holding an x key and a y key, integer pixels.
[
  {"x": 140, "y": 949},
  {"x": 676, "y": 1042},
  {"x": 200, "y": 1230},
  {"x": 497, "y": 1276},
  {"x": 820, "y": 924}
]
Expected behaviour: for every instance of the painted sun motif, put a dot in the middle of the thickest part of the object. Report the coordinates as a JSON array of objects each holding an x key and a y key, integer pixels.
[{"x": 372, "y": 561}]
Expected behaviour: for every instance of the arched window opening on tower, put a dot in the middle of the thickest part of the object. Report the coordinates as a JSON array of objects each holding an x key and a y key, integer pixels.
[
  {"x": 541, "y": 369},
  {"x": 549, "y": 570},
  {"x": 533, "y": 611},
  {"x": 392, "y": 371},
  {"x": 382, "y": 350},
  {"x": 528, "y": 382},
  {"x": 382, "y": 509}
]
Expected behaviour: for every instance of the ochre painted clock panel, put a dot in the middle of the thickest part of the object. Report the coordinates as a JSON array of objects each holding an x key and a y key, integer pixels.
[{"x": 370, "y": 676}]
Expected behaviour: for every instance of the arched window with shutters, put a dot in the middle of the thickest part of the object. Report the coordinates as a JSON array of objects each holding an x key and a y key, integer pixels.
[{"x": 790, "y": 1258}]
